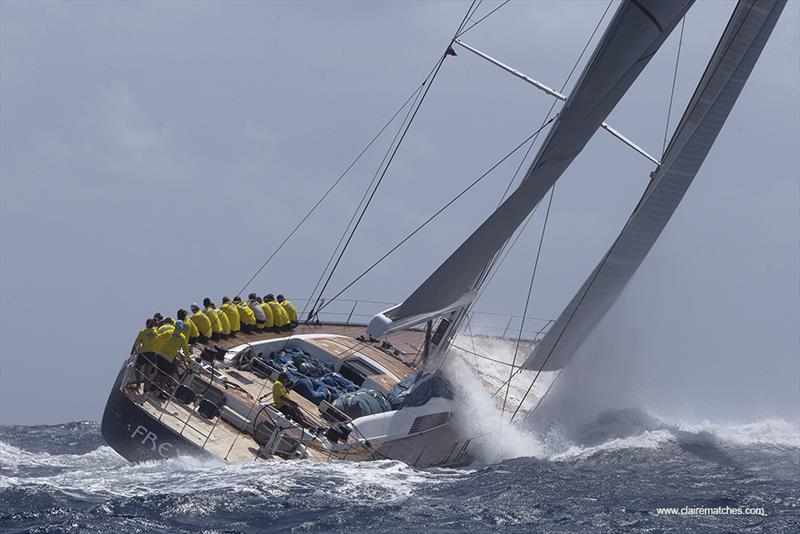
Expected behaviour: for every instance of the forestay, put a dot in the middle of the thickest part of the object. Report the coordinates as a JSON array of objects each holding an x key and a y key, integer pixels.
[
  {"x": 633, "y": 36},
  {"x": 731, "y": 64}
]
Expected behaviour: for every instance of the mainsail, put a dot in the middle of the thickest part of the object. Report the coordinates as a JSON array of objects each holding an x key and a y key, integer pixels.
[
  {"x": 731, "y": 64},
  {"x": 636, "y": 32}
]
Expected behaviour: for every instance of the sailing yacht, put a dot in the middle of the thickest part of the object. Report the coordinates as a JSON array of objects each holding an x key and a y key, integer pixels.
[{"x": 221, "y": 406}]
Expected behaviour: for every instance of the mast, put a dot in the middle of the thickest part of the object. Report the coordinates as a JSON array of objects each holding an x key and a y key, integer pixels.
[
  {"x": 636, "y": 32},
  {"x": 730, "y": 66}
]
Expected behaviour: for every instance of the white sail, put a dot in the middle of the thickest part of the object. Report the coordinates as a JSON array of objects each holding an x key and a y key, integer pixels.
[
  {"x": 740, "y": 46},
  {"x": 638, "y": 29}
]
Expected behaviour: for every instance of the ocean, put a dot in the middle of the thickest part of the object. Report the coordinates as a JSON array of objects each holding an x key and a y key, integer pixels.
[{"x": 614, "y": 477}]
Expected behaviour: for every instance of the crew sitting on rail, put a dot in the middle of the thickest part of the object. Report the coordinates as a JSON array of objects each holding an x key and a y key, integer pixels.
[
  {"x": 202, "y": 322},
  {"x": 288, "y": 407},
  {"x": 223, "y": 319},
  {"x": 291, "y": 311},
  {"x": 212, "y": 314},
  {"x": 192, "y": 332},
  {"x": 232, "y": 312},
  {"x": 169, "y": 345},
  {"x": 280, "y": 318},
  {"x": 166, "y": 324},
  {"x": 269, "y": 324},
  {"x": 145, "y": 346},
  {"x": 258, "y": 313},
  {"x": 246, "y": 315}
]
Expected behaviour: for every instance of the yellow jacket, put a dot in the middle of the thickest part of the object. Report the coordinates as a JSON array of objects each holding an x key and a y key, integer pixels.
[
  {"x": 246, "y": 315},
  {"x": 232, "y": 312},
  {"x": 280, "y": 395},
  {"x": 191, "y": 329},
  {"x": 216, "y": 326},
  {"x": 146, "y": 340},
  {"x": 268, "y": 314},
  {"x": 223, "y": 320},
  {"x": 203, "y": 323},
  {"x": 290, "y": 310},
  {"x": 279, "y": 315},
  {"x": 166, "y": 328},
  {"x": 169, "y": 343}
]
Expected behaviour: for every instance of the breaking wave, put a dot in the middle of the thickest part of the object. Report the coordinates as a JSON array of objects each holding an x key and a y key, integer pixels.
[
  {"x": 609, "y": 474},
  {"x": 62, "y": 477}
]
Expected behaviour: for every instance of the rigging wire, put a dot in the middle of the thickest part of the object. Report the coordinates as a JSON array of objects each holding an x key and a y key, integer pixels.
[
  {"x": 478, "y": 355},
  {"x": 532, "y": 137},
  {"x": 528, "y": 298},
  {"x": 572, "y": 315},
  {"x": 432, "y": 217},
  {"x": 475, "y": 23},
  {"x": 394, "y": 152},
  {"x": 605, "y": 258},
  {"x": 335, "y": 183},
  {"x": 506, "y": 248},
  {"x": 672, "y": 92},
  {"x": 358, "y": 207}
]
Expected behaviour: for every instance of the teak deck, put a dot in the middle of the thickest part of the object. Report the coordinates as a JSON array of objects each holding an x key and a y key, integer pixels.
[{"x": 225, "y": 441}]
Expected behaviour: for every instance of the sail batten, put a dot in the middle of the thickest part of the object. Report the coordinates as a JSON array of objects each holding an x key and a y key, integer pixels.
[
  {"x": 731, "y": 63},
  {"x": 627, "y": 45}
]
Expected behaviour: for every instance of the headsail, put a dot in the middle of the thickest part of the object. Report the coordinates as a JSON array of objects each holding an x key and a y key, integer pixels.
[
  {"x": 638, "y": 29},
  {"x": 731, "y": 64}
]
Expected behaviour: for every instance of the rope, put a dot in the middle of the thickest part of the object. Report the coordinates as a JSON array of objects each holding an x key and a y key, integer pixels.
[{"x": 672, "y": 92}]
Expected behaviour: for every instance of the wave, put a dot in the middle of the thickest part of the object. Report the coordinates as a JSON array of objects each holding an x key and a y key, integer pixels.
[
  {"x": 552, "y": 439},
  {"x": 103, "y": 473}
]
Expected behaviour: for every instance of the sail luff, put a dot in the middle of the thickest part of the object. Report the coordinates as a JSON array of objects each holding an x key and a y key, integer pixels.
[
  {"x": 731, "y": 64},
  {"x": 633, "y": 36}
]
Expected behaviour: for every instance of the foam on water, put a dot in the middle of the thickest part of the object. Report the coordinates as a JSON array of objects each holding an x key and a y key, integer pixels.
[
  {"x": 614, "y": 480},
  {"x": 775, "y": 432},
  {"x": 479, "y": 417},
  {"x": 645, "y": 440},
  {"x": 608, "y": 474},
  {"x": 102, "y": 472}
]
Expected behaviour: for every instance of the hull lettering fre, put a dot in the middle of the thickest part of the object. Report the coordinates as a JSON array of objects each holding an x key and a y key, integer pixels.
[{"x": 148, "y": 438}]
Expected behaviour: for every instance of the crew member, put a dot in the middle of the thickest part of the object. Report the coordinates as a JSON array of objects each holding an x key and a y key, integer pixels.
[
  {"x": 192, "y": 332},
  {"x": 202, "y": 322},
  {"x": 258, "y": 313},
  {"x": 279, "y": 316},
  {"x": 232, "y": 312},
  {"x": 291, "y": 311},
  {"x": 223, "y": 319},
  {"x": 246, "y": 315},
  {"x": 169, "y": 345},
  {"x": 145, "y": 345},
  {"x": 166, "y": 324},
  {"x": 288, "y": 407},
  {"x": 270, "y": 321},
  {"x": 211, "y": 313}
]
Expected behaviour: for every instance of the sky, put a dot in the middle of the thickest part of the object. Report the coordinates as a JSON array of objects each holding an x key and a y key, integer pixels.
[{"x": 154, "y": 153}]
